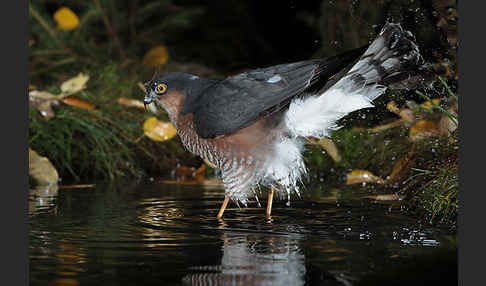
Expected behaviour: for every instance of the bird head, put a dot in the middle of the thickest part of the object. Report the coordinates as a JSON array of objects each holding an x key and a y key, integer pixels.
[
  {"x": 163, "y": 85},
  {"x": 167, "y": 88}
]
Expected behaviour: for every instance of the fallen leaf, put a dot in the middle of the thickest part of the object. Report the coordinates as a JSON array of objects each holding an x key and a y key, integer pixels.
[
  {"x": 423, "y": 129},
  {"x": 156, "y": 56},
  {"x": 130, "y": 102},
  {"x": 362, "y": 176},
  {"x": 43, "y": 100},
  {"x": 79, "y": 103},
  {"x": 66, "y": 19},
  {"x": 41, "y": 169},
  {"x": 330, "y": 148},
  {"x": 158, "y": 130},
  {"x": 37, "y": 94},
  {"x": 74, "y": 84},
  {"x": 401, "y": 168}
]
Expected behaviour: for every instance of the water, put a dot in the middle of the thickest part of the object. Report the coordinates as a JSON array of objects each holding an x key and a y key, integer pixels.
[{"x": 161, "y": 234}]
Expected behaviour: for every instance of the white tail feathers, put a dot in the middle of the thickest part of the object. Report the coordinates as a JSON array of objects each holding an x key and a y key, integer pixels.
[
  {"x": 392, "y": 53},
  {"x": 315, "y": 116}
]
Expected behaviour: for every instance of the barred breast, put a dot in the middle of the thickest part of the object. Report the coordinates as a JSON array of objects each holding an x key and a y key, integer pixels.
[{"x": 240, "y": 156}]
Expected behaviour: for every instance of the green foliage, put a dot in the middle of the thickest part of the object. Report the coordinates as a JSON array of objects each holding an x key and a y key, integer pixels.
[
  {"x": 108, "y": 44},
  {"x": 439, "y": 193},
  {"x": 106, "y": 143},
  {"x": 434, "y": 184},
  {"x": 85, "y": 143}
]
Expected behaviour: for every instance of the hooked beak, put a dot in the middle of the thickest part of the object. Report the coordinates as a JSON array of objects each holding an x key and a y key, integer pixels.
[
  {"x": 148, "y": 95},
  {"x": 146, "y": 101},
  {"x": 150, "y": 98}
]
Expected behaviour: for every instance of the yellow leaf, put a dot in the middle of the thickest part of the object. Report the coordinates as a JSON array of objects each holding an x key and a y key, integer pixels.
[
  {"x": 66, "y": 19},
  {"x": 423, "y": 129},
  {"x": 42, "y": 95},
  {"x": 74, "y": 84},
  {"x": 158, "y": 130},
  {"x": 362, "y": 176},
  {"x": 157, "y": 56},
  {"x": 330, "y": 148}
]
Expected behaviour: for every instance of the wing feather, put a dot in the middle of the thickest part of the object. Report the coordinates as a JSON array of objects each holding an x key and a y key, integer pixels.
[{"x": 238, "y": 101}]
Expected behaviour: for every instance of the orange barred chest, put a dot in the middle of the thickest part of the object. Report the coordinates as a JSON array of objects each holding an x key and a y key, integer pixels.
[{"x": 225, "y": 153}]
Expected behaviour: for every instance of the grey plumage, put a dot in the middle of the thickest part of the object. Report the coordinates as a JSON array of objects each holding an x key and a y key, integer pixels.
[{"x": 252, "y": 125}]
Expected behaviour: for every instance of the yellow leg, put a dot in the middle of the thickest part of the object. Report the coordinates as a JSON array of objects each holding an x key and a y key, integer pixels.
[
  {"x": 223, "y": 207},
  {"x": 269, "y": 202}
]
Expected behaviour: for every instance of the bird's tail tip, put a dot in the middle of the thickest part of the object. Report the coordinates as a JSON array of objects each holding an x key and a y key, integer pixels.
[{"x": 393, "y": 60}]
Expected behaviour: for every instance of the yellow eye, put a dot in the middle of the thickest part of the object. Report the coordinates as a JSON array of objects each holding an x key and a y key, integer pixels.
[{"x": 161, "y": 88}]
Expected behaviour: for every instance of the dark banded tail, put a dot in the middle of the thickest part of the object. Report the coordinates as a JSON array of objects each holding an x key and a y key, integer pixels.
[{"x": 392, "y": 60}]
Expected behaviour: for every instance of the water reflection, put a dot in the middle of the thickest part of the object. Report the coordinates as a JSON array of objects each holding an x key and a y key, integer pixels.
[
  {"x": 41, "y": 198},
  {"x": 168, "y": 235},
  {"x": 255, "y": 259},
  {"x": 71, "y": 259}
]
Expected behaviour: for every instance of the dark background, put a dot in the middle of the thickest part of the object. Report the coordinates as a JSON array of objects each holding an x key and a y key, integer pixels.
[{"x": 233, "y": 35}]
